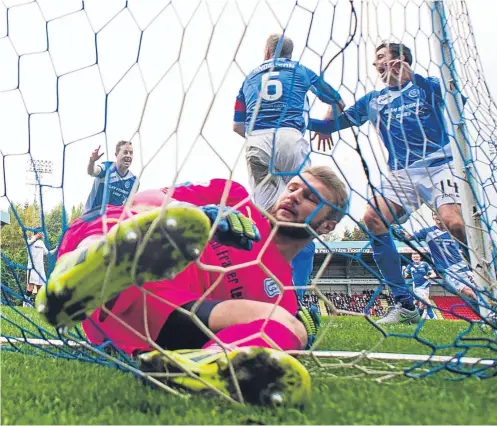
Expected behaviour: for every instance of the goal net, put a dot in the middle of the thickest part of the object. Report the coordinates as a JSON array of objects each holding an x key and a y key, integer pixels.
[{"x": 165, "y": 75}]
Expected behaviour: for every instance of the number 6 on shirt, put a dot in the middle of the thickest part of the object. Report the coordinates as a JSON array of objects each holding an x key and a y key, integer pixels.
[{"x": 275, "y": 84}]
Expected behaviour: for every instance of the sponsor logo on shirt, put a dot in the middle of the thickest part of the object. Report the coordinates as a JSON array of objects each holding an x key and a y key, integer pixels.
[
  {"x": 384, "y": 99},
  {"x": 271, "y": 288}
]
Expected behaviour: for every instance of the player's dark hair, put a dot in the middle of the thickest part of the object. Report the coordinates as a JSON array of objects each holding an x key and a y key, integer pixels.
[
  {"x": 329, "y": 178},
  {"x": 397, "y": 50},
  {"x": 120, "y": 144},
  {"x": 285, "y": 48}
]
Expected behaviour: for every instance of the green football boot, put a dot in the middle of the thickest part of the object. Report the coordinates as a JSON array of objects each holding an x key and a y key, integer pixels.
[{"x": 150, "y": 246}]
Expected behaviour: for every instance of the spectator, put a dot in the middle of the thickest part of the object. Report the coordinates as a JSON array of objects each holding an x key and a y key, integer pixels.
[{"x": 36, "y": 276}]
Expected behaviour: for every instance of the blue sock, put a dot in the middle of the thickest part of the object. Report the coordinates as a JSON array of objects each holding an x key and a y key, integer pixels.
[
  {"x": 388, "y": 261},
  {"x": 302, "y": 268},
  {"x": 431, "y": 313}
]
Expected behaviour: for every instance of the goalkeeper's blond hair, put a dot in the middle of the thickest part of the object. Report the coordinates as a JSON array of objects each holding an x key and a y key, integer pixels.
[{"x": 329, "y": 178}]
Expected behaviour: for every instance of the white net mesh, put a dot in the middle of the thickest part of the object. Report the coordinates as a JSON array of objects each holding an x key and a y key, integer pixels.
[{"x": 165, "y": 75}]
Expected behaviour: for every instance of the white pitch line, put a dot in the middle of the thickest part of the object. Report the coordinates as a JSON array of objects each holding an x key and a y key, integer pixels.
[
  {"x": 40, "y": 342},
  {"x": 383, "y": 356},
  {"x": 379, "y": 356}
]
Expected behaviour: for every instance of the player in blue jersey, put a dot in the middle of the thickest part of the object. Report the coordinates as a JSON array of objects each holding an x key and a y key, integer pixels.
[
  {"x": 276, "y": 148},
  {"x": 408, "y": 114},
  {"x": 113, "y": 180},
  {"x": 447, "y": 258},
  {"x": 421, "y": 273},
  {"x": 275, "y": 128}
]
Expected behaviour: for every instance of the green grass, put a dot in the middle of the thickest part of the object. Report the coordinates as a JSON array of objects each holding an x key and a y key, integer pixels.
[{"x": 45, "y": 390}]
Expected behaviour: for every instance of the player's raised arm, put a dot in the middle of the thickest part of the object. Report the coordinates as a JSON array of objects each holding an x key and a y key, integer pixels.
[
  {"x": 325, "y": 92},
  {"x": 356, "y": 115},
  {"x": 92, "y": 169}
]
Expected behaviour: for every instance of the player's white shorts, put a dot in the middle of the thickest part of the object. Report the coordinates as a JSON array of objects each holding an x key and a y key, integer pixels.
[
  {"x": 290, "y": 155},
  {"x": 413, "y": 186},
  {"x": 459, "y": 279},
  {"x": 422, "y": 292}
]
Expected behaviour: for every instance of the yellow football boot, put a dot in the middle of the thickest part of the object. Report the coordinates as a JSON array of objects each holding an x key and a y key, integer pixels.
[
  {"x": 265, "y": 376},
  {"x": 150, "y": 246}
]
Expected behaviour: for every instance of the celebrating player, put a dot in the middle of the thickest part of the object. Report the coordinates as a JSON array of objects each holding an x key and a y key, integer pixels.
[
  {"x": 409, "y": 116},
  {"x": 270, "y": 110},
  {"x": 447, "y": 258},
  {"x": 249, "y": 306},
  {"x": 113, "y": 180},
  {"x": 275, "y": 128},
  {"x": 421, "y": 273}
]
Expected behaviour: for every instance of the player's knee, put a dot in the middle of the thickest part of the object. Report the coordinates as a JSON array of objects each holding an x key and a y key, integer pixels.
[
  {"x": 285, "y": 318},
  {"x": 300, "y": 331},
  {"x": 372, "y": 221},
  {"x": 457, "y": 228},
  {"x": 466, "y": 291}
]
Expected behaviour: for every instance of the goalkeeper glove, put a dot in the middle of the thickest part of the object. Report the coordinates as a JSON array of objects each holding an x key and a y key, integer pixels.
[
  {"x": 311, "y": 320},
  {"x": 233, "y": 229}
]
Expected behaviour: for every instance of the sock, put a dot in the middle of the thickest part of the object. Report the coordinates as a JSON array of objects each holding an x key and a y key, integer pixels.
[
  {"x": 302, "y": 268},
  {"x": 388, "y": 261},
  {"x": 277, "y": 332},
  {"x": 431, "y": 312}
]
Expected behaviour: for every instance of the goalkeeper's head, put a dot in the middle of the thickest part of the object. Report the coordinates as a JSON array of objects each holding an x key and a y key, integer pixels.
[{"x": 317, "y": 197}]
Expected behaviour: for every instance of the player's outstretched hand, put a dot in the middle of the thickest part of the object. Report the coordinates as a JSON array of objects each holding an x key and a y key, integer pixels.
[
  {"x": 95, "y": 155},
  {"x": 233, "y": 229},
  {"x": 325, "y": 142},
  {"x": 311, "y": 320}
]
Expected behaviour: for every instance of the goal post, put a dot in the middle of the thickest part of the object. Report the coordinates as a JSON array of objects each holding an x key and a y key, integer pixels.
[{"x": 475, "y": 208}]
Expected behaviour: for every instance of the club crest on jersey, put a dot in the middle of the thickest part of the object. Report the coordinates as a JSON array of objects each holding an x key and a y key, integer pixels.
[
  {"x": 413, "y": 93},
  {"x": 271, "y": 288},
  {"x": 127, "y": 184}
]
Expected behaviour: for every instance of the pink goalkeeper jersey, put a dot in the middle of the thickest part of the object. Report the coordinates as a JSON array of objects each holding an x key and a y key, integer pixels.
[{"x": 242, "y": 282}]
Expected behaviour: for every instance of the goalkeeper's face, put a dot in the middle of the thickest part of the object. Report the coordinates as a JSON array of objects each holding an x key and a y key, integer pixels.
[{"x": 299, "y": 202}]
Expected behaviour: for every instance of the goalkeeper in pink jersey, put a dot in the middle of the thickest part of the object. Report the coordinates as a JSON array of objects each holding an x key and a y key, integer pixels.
[{"x": 237, "y": 284}]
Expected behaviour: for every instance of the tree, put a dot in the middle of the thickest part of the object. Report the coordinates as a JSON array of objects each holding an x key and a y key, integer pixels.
[
  {"x": 358, "y": 233},
  {"x": 24, "y": 220},
  {"x": 76, "y": 212}
]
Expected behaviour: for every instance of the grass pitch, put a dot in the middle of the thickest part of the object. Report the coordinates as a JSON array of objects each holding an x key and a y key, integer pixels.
[{"x": 47, "y": 390}]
